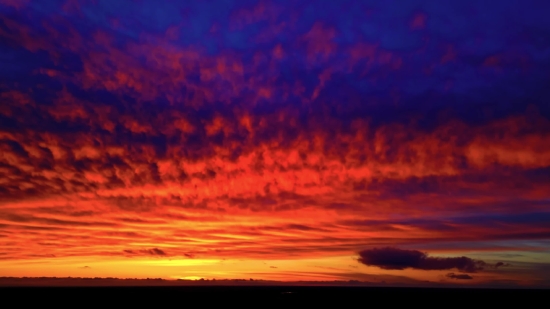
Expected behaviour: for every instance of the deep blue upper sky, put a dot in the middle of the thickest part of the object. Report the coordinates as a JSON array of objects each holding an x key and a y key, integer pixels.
[{"x": 462, "y": 56}]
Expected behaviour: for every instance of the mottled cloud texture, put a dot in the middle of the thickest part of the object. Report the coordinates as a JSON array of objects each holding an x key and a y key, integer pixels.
[{"x": 273, "y": 129}]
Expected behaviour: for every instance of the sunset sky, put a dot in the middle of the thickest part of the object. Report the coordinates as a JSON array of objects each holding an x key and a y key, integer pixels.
[{"x": 380, "y": 141}]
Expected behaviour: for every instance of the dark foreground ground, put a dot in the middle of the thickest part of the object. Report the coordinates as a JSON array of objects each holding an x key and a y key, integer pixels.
[{"x": 267, "y": 296}]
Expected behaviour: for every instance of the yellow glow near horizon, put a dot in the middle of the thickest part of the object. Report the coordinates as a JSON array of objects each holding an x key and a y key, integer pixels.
[{"x": 180, "y": 262}]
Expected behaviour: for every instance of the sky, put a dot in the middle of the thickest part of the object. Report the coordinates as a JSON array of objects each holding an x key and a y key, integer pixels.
[{"x": 393, "y": 142}]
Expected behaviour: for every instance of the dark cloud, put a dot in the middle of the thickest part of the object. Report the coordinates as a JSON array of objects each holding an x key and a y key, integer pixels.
[
  {"x": 154, "y": 252},
  {"x": 502, "y": 264},
  {"x": 399, "y": 259},
  {"x": 459, "y": 276}
]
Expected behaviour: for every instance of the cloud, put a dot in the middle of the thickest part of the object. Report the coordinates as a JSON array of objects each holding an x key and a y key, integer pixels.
[
  {"x": 399, "y": 259},
  {"x": 459, "y": 276},
  {"x": 502, "y": 264},
  {"x": 154, "y": 252},
  {"x": 17, "y": 4}
]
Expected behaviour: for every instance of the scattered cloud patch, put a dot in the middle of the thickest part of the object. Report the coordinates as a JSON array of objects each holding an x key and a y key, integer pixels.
[
  {"x": 459, "y": 276},
  {"x": 502, "y": 264},
  {"x": 154, "y": 252}
]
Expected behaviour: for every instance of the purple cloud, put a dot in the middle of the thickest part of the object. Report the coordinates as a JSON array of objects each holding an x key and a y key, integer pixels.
[{"x": 399, "y": 259}]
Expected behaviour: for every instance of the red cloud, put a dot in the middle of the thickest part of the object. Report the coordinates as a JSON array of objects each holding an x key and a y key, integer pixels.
[{"x": 418, "y": 21}]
